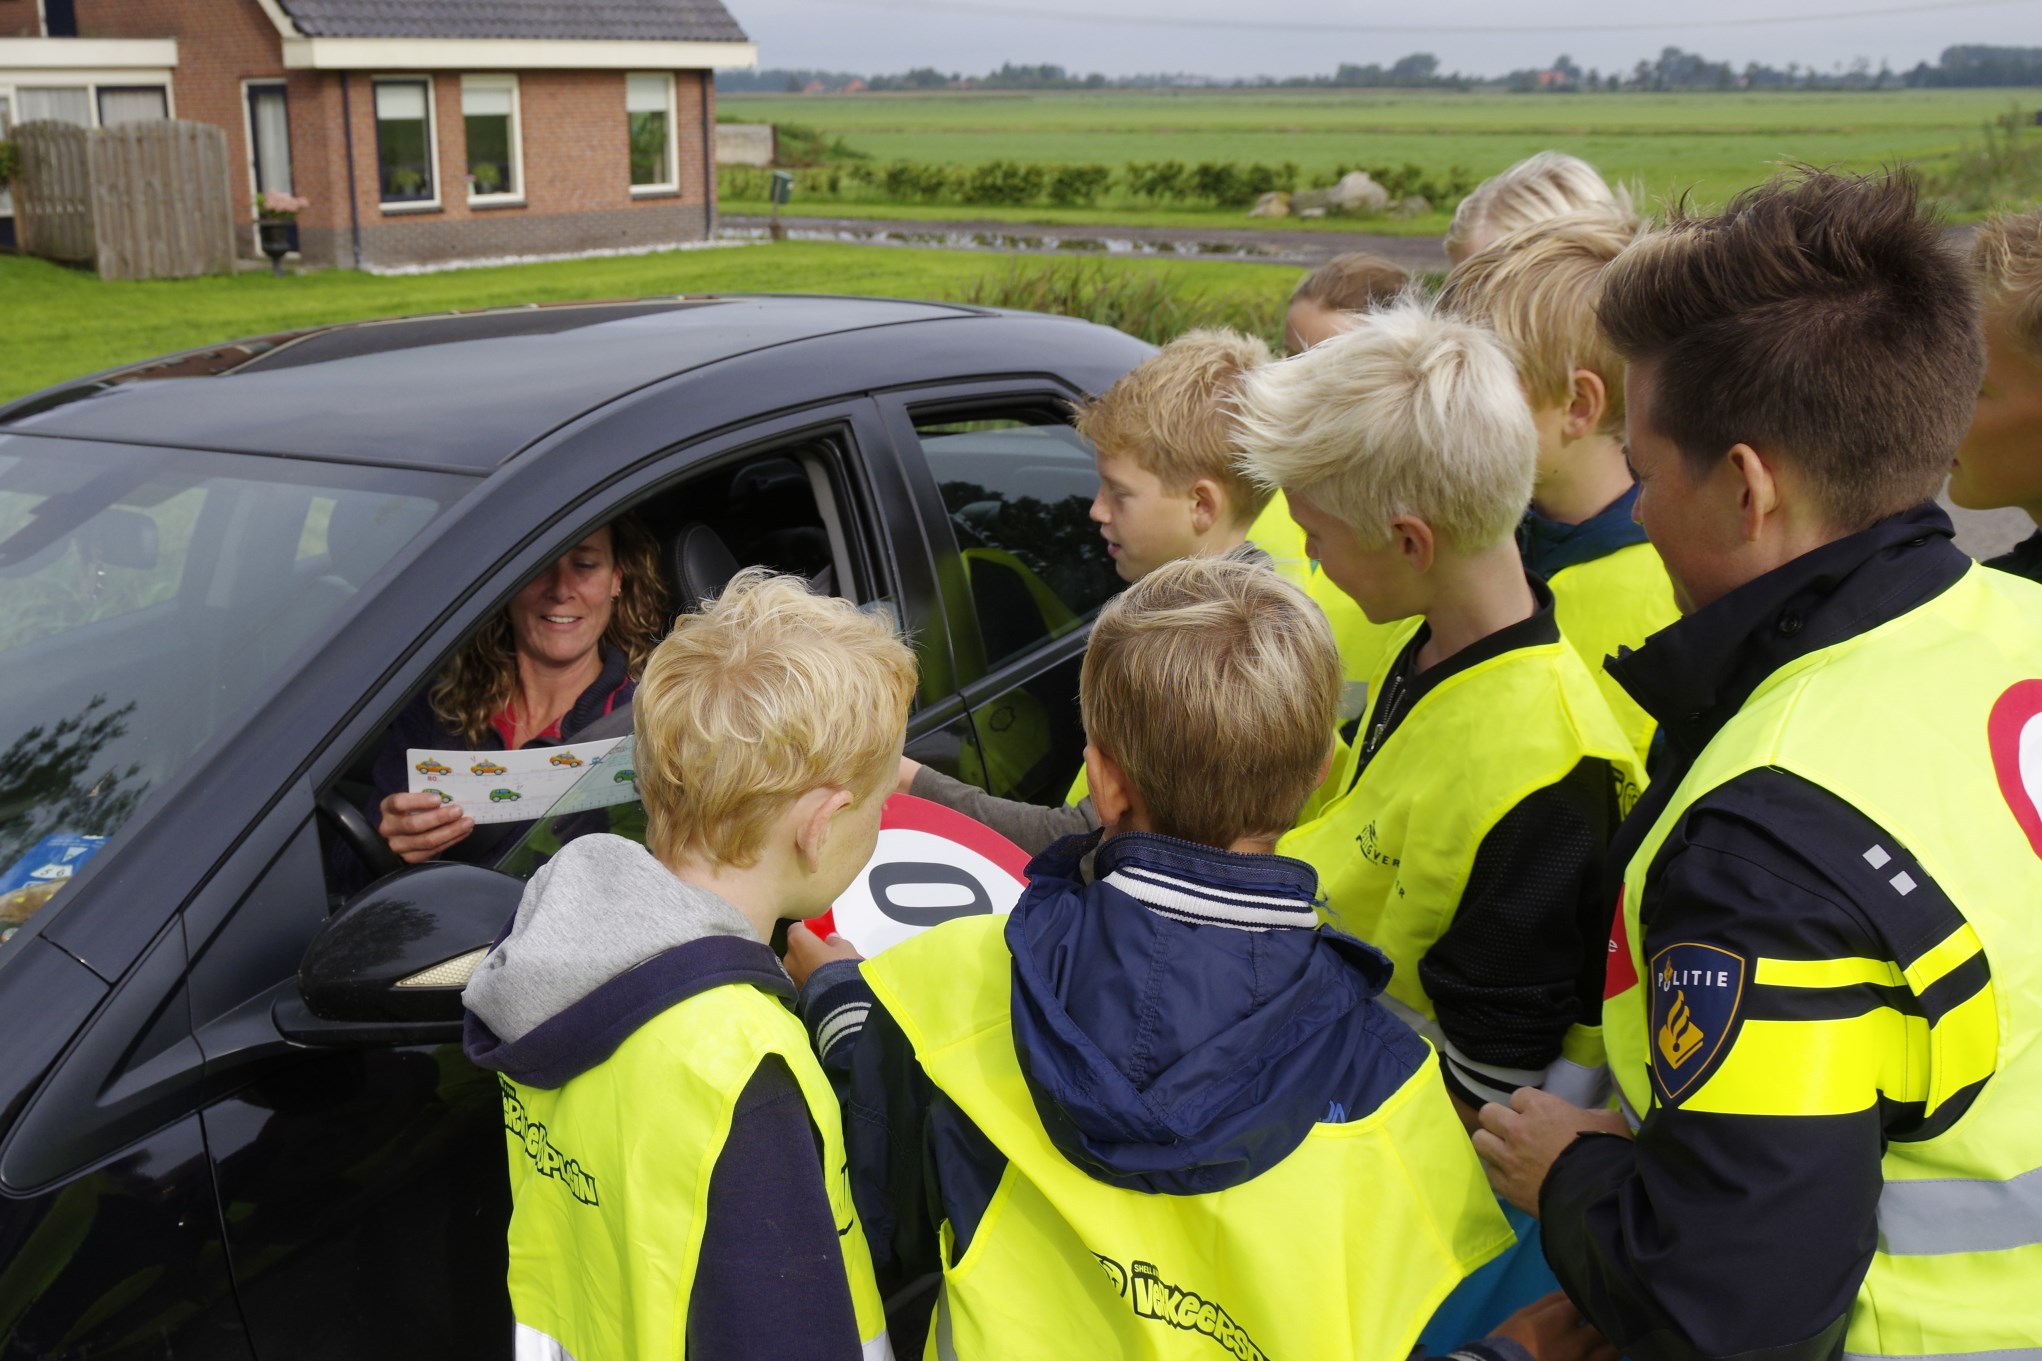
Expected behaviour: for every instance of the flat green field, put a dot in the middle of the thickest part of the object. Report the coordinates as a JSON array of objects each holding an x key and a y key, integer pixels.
[
  {"x": 62, "y": 323},
  {"x": 1711, "y": 145}
]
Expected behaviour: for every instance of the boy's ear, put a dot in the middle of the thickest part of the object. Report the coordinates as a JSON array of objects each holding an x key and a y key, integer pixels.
[
  {"x": 1208, "y": 504},
  {"x": 1414, "y": 539},
  {"x": 814, "y": 814},
  {"x": 1586, "y": 404},
  {"x": 1110, "y": 790}
]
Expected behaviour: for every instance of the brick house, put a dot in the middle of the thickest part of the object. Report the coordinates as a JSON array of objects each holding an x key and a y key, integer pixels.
[{"x": 422, "y": 132}]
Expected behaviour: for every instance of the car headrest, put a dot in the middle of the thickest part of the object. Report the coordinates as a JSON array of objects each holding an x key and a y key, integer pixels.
[{"x": 703, "y": 565}]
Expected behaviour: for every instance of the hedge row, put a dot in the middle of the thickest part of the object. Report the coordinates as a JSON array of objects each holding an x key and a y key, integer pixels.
[{"x": 1001, "y": 183}]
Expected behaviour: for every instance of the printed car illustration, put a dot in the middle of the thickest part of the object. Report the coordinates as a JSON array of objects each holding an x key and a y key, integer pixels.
[
  {"x": 290, "y": 1140},
  {"x": 445, "y": 797},
  {"x": 485, "y": 767},
  {"x": 504, "y": 795},
  {"x": 563, "y": 759},
  {"x": 624, "y": 776}
]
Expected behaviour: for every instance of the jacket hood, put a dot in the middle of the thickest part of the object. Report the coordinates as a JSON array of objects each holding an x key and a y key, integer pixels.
[
  {"x": 1548, "y": 546},
  {"x": 1183, "y": 1021},
  {"x": 605, "y": 939}
]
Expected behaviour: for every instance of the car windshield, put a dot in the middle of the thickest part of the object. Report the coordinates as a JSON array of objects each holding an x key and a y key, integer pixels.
[{"x": 147, "y": 599}]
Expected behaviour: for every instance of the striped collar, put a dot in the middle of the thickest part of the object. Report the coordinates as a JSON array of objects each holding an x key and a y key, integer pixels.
[{"x": 1201, "y": 886}]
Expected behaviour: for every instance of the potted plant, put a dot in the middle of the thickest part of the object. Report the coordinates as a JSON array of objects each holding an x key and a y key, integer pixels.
[{"x": 276, "y": 216}]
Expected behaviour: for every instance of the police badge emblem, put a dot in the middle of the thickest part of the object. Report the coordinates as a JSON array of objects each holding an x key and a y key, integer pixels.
[{"x": 1696, "y": 993}]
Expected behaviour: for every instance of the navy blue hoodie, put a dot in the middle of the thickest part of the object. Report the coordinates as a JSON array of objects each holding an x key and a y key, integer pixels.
[{"x": 1182, "y": 1021}]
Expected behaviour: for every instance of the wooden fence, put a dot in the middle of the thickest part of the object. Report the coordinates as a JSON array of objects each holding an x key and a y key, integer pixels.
[{"x": 142, "y": 201}]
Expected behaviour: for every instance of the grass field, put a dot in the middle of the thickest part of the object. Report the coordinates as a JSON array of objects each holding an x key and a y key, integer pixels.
[
  {"x": 62, "y": 323},
  {"x": 1712, "y": 145}
]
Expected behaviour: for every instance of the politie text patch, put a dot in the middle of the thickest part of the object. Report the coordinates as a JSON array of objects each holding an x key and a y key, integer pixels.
[{"x": 1696, "y": 990}]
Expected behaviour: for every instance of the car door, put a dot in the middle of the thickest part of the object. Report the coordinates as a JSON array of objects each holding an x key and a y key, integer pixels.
[
  {"x": 1005, "y": 486},
  {"x": 362, "y": 1189}
]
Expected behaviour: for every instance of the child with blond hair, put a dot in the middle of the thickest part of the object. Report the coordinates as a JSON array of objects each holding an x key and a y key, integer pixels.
[
  {"x": 1155, "y": 1108},
  {"x": 1464, "y": 830},
  {"x": 2000, "y": 461},
  {"x": 676, "y": 1154},
  {"x": 1548, "y": 184},
  {"x": 1537, "y": 288}
]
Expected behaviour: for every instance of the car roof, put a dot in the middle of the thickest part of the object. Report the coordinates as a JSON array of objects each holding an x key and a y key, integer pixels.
[{"x": 460, "y": 391}]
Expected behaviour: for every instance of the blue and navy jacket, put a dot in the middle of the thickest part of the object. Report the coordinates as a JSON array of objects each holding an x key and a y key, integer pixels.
[
  {"x": 1201, "y": 975},
  {"x": 1549, "y": 546}
]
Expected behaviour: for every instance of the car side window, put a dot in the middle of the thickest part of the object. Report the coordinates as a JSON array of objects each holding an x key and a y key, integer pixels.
[
  {"x": 785, "y": 506},
  {"x": 1018, "y": 484}
]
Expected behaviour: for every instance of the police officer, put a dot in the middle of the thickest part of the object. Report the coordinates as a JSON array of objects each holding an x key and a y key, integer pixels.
[{"x": 1824, "y": 983}]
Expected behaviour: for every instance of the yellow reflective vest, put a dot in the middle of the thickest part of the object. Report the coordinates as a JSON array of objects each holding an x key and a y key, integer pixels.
[
  {"x": 1617, "y": 600},
  {"x": 1395, "y": 849},
  {"x": 609, "y": 1179},
  {"x": 1343, "y": 1249},
  {"x": 1928, "y": 725}
]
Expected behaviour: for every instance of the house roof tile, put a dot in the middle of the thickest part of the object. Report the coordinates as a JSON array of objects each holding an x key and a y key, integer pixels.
[{"x": 631, "y": 20}]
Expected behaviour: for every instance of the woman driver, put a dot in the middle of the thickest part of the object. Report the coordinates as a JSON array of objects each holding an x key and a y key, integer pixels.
[{"x": 565, "y": 651}]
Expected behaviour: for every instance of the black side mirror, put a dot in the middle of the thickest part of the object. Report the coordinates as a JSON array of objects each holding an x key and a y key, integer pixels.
[{"x": 388, "y": 968}]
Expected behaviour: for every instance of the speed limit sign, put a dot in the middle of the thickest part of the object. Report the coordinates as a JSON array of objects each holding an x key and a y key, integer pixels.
[{"x": 931, "y": 864}]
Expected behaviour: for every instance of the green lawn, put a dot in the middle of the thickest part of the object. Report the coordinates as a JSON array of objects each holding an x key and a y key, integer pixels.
[
  {"x": 1712, "y": 145},
  {"x": 62, "y": 323}
]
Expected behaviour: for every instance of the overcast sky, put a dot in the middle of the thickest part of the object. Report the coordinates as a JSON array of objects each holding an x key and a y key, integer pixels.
[{"x": 1475, "y": 36}]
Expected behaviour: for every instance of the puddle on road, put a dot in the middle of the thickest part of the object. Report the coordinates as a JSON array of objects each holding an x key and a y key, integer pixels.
[{"x": 1031, "y": 243}]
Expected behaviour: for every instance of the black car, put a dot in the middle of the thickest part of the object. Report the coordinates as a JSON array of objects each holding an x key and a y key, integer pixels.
[{"x": 222, "y": 574}]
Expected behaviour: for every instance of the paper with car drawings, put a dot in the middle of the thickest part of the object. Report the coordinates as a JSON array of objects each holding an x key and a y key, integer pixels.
[{"x": 517, "y": 786}]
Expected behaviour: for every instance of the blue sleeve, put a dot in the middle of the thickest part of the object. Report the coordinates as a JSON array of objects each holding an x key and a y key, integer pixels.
[{"x": 770, "y": 1280}]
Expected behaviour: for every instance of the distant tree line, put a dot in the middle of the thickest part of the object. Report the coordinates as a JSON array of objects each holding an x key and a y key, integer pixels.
[{"x": 1971, "y": 65}]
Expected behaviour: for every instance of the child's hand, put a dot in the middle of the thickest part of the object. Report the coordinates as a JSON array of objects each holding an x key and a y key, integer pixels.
[
  {"x": 1552, "y": 1329},
  {"x": 806, "y": 952},
  {"x": 909, "y": 768}
]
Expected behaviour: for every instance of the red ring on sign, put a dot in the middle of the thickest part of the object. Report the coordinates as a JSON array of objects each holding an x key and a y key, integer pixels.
[{"x": 2011, "y": 714}]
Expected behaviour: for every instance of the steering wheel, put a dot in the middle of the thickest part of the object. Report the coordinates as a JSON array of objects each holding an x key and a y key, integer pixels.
[{"x": 355, "y": 830}]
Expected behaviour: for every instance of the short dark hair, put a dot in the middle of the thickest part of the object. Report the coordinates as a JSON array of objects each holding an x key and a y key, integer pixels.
[
  {"x": 1353, "y": 283},
  {"x": 1820, "y": 317}
]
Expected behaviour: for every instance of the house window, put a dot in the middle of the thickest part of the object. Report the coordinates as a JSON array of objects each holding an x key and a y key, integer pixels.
[
  {"x": 56, "y": 103},
  {"x": 489, "y": 115},
  {"x": 404, "y": 140},
  {"x": 649, "y": 102},
  {"x": 269, "y": 137},
  {"x": 120, "y": 104}
]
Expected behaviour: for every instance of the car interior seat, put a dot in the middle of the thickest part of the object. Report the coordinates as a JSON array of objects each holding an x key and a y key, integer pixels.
[{"x": 702, "y": 566}]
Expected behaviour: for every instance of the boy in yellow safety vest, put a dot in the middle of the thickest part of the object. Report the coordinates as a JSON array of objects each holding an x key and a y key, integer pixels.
[
  {"x": 2000, "y": 461},
  {"x": 1464, "y": 829},
  {"x": 1536, "y": 288},
  {"x": 1159, "y": 1113},
  {"x": 676, "y": 1154},
  {"x": 1163, "y": 437}
]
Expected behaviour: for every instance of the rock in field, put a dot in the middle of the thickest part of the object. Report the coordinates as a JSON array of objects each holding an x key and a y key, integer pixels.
[
  {"x": 1357, "y": 193},
  {"x": 1411, "y": 205},
  {"x": 1276, "y": 204}
]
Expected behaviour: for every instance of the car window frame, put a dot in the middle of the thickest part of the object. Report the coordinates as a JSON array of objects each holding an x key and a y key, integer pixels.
[{"x": 986, "y": 400}]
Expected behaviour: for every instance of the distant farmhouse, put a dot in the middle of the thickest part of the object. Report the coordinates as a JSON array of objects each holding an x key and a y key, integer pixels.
[{"x": 423, "y": 132}]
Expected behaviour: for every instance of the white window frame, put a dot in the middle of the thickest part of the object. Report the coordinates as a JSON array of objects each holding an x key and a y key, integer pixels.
[
  {"x": 672, "y": 183},
  {"x": 517, "y": 141},
  {"x": 88, "y": 81},
  {"x": 397, "y": 207},
  {"x": 248, "y": 127}
]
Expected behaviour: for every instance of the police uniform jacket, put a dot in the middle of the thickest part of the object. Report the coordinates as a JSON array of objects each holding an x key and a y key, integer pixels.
[{"x": 1748, "y": 1232}]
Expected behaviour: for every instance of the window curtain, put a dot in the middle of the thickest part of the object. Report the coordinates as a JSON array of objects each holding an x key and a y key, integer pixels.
[
  {"x": 62, "y": 104},
  {"x": 148, "y": 105},
  {"x": 268, "y": 115}
]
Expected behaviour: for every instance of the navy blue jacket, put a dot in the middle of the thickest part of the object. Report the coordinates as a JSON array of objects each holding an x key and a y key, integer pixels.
[{"x": 1177, "y": 1039}]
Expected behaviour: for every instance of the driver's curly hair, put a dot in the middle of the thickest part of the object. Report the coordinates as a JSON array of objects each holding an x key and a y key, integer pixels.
[{"x": 478, "y": 680}]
